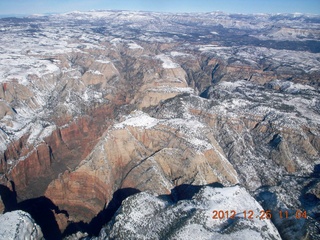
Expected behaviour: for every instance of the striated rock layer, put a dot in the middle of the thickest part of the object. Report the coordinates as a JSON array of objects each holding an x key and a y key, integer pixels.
[
  {"x": 191, "y": 140},
  {"x": 99, "y": 102},
  {"x": 143, "y": 153}
]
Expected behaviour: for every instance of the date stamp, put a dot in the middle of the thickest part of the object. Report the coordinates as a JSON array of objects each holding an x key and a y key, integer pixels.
[{"x": 263, "y": 214}]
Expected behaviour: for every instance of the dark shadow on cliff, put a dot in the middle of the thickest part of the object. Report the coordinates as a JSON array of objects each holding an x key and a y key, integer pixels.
[
  {"x": 267, "y": 199},
  {"x": 93, "y": 228},
  {"x": 316, "y": 171},
  {"x": 187, "y": 191},
  {"x": 9, "y": 198},
  {"x": 181, "y": 192},
  {"x": 42, "y": 211},
  {"x": 309, "y": 198}
]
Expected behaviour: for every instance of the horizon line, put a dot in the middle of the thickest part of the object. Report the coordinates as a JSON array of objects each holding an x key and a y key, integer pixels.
[{"x": 4, "y": 15}]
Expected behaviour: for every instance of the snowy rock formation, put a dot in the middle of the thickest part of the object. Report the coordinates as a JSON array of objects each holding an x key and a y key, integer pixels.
[
  {"x": 145, "y": 216},
  {"x": 19, "y": 225}
]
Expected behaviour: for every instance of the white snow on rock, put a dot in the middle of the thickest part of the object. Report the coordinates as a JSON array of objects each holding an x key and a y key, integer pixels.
[
  {"x": 193, "y": 131},
  {"x": 103, "y": 61},
  {"x": 39, "y": 132},
  {"x": 19, "y": 225},
  {"x": 204, "y": 48},
  {"x": 166, "y": 61},
  {"x": 138, "y": 119},
  {"x": 95, "y": 72},
  {"x": 179, "y": 54},
  {"x": 294, "y": 87},
  {"x": 4, "y": 140},
  {"x": 231, "y": 85},
  {"x": 20, "y": 67},
  {"x": 148, "y": 217},
  {"x": 134, "y": 46},
  {"x": 168, "y": 89}
]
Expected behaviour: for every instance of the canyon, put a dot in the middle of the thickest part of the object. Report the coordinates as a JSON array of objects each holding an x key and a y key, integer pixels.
[{"x": 158, "y": 117}]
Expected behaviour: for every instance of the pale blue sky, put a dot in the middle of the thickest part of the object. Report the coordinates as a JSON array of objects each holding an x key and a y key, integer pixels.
[{"x": 231, "y": 6}]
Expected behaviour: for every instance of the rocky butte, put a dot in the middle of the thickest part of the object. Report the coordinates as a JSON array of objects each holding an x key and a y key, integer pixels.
[{"x": 141, "y": 125}]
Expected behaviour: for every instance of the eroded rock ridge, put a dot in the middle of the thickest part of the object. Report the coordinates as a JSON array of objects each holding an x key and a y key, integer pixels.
[{"x": 99, "y": 105}]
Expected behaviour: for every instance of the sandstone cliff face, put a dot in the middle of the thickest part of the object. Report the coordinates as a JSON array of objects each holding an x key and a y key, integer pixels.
[
  {"x": 261, "y": 142},
  {"x": 35, "y": 166},
  {"x": 2, "y": 207},
  {"x": 264, "y": 145},
  {"x": 146, "y": 154}
]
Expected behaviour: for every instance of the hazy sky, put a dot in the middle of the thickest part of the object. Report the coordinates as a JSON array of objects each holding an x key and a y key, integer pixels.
[{"x": 231, "y": 6}]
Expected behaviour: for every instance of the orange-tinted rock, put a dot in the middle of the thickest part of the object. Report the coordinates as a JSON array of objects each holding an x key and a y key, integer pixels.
[
  {"x": 37, "y": 166},
  {"x": 86, "y": 195},
  {"x": 34, "y": 165},
  {"x": 62, "y": 220},
  {"x": 156, "y": 158},
  {"x": 2, "y": 207}
]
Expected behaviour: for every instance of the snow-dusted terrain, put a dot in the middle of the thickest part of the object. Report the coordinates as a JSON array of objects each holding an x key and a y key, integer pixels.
[
  {"x": 31, "y": 49},
  {"x": 144, "y": 216},
  {"x": 19, "y": 225},
  {"x": 202, "y": 97}
]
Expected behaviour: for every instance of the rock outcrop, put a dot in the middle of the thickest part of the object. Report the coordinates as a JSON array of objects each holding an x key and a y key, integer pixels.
[
  {"x": 212, "y": 213},
  {"x": 19, "y": 225},
  {"x": 63, "y": 148},
  {"x": 144, "y": 153},
  {"x": 190, "y": 140},
  {"x": 2, "y": 207}
]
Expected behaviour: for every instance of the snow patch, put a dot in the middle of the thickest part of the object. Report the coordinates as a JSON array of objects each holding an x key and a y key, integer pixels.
[
  {"x": 167, "y": 62},
  {"x": 179, "y": 54},
  {"x": 168, "y": 89},
  {"x": 103, "y": 61},
  {"x": 138, "y": 119},
  {"x": 204, "y": 48},
  {"x": 231, "y": 85},
  {"x": 134, "y": 46},
  {"x": 39, "y": 132},
  {"x": 95, "y": 72}
]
